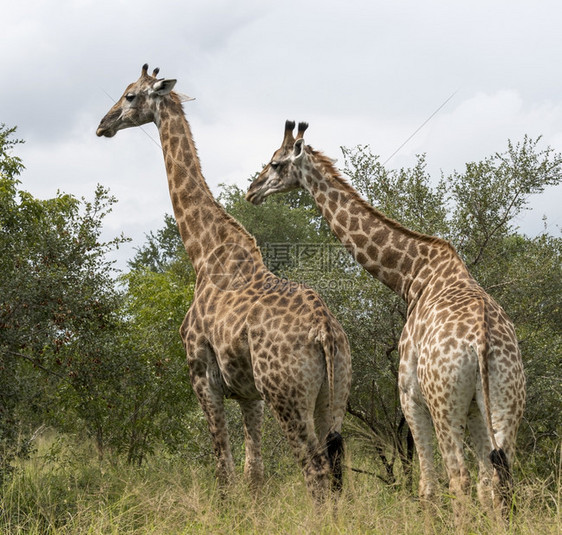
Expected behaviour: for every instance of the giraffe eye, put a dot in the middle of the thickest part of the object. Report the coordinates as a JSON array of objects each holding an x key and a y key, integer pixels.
[
  {"x": 274, "y": 165},
  {"x": 129, "y": 97}
]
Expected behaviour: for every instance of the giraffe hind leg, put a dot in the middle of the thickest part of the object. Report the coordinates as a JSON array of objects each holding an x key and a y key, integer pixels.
[
  {"x": 298, "y": 427},
  {"x": 478, "y": 432}
]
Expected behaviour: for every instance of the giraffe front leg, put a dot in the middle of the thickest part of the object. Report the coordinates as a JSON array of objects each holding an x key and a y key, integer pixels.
[{"x": 252, "y": 415}]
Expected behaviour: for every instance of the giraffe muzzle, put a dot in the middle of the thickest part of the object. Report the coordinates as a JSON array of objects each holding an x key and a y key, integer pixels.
[
  {"x": 254, "y": 197},
  {"x": 104, "y": 131},
  {"x": 110, "y": 124}
]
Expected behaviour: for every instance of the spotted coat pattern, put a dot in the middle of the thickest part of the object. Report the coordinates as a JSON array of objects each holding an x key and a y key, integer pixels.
[
  {"x": 460, "y": 365},
  {"x": 248, "y": 336}
]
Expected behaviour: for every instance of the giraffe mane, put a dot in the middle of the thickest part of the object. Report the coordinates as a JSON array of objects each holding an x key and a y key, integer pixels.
[
  {"x": 329, "y": 168},
  {"x": 225, "y": 216}
]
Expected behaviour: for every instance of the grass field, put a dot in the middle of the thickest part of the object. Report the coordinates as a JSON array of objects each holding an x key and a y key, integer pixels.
[{"x": 63, "y": 490}]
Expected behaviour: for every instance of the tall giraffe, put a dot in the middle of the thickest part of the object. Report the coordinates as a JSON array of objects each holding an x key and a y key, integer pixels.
[
  {"x": 460, "y": 364},
  {"x": 247, "y": 336}
]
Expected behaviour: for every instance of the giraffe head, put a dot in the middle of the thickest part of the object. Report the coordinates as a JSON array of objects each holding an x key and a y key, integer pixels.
[
  {"x": 284, "y": 171},
  {"x": 139, "y": 104}
]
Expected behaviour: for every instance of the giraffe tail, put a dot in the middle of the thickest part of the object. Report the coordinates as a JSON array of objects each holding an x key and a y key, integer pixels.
[
  {"x": 335, "y": 450},
  {"x": 334, "y": 440},
  {"x": 498, "y": 457},
  {"x": 329, "y": 348}
]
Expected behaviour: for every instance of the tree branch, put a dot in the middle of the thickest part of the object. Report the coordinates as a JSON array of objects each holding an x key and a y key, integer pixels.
[{"x": 36, "y": 364}]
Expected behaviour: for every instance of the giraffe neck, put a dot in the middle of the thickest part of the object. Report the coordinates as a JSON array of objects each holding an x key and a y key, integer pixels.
[
  {"x": 203, "y": 223},
  {"x": 408, "y": 262}
]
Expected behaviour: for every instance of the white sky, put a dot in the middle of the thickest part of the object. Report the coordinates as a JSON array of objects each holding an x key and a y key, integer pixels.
[{"x": 359, "y": 71}]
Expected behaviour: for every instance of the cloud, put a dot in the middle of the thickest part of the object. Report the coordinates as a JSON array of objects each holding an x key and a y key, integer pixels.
[
  {"x": 360, "y": 73},
  {"x": 481, "y": 125}
]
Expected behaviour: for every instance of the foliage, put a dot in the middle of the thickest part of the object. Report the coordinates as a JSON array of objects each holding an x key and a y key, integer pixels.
[
  {"x": 406, "y": 195},
  {"x": 490, "y": 195},
  {"x": 291, "y": 217},
  {"x": 56, "y": 289},
  {"x": 477, "y": 211},
  {"x": 10, "y": 167},
  {"x": 162, "y": 249},
  {"x": 76, "y": 352},
  {"x": 159, "y": 292}
]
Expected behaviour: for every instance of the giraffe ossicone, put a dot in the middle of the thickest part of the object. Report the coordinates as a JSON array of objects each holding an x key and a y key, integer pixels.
[
  {"x": 460, "y": 366},
  {"x": 245, "y": 338}
]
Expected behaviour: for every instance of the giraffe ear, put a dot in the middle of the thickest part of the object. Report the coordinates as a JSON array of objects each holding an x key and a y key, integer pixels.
[
  {"x": 164, "y": 86},
  {"x": 298, "y": 150}
]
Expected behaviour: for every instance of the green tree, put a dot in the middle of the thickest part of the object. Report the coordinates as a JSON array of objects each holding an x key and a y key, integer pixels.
[
  {"x": 489, "y": 196},
  {"x": 162, "y": 250},
  {"x": 289, "y": 218},
  {"x": 523, "y": 273},
  {"x": 81, "y": 350},
  {"x": 477, "y": 210},
  {"x": 56, "y": 289},
  {"x": 10, "y": 167},
  {"x": 160, "y": 403}
]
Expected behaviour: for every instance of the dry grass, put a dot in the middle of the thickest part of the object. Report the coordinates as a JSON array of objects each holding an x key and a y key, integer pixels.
[{"x": 70, "y": 493}]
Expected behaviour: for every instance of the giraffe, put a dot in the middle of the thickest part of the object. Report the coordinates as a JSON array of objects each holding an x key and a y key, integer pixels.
[
  {"x": 460, "y": 365},
  {"x": 247, "y": 335}
]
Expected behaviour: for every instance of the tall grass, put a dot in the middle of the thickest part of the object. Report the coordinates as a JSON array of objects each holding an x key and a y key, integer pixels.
[{"x": 63, "y": 490}]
